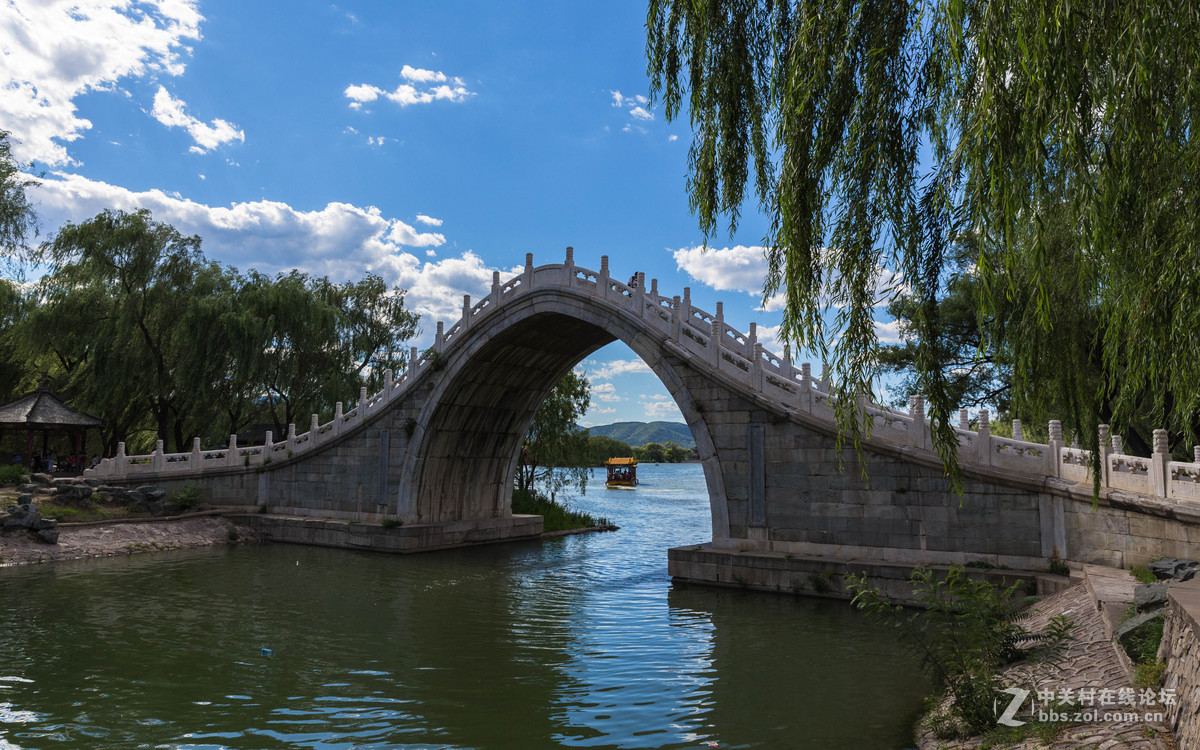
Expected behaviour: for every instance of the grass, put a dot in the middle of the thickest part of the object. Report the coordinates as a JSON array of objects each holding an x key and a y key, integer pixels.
[
  {"x": 12, "y": 473},
  {"x": 1143, "y": 574},
  {"x": 556, "y": 517}
]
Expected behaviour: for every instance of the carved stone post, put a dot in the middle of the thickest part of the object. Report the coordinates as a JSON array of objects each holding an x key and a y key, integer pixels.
[
  {"x": 437, "y": 339},
  {"x": 157, "y": 461},
  {"x": 806, "y": 386},
  {"x": 675, "y": 319},
  {"x": 1017, "y": 434},
  {"x": 120, "y": 461},
  {"x": 1056, "y": 444},
  {"x": 231, "y": 453},
  {"x": 528, "y": 270},
  {"x": 337, "y": 417},
  {"x": 718, "y": 333},
  {"x": 466, "y": 316},
  {"x": 602, "y": 278},
  {"x": 495, "y": 288},
  {"x": 1105, "y": 451},
  {"x": 1159, "y": 461},
  {"x": 196, "y": 459},
  {"x": 984, "y": 454},
  {"x": 291, "y": 438},
  {"x": 639, "y": 294},
  {"x": 569, "y": 268},
  {"x": 964, "y": 420}
]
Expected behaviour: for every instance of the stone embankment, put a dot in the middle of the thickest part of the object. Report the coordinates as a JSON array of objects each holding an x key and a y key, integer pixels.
[{"x": 113, "y": 538}]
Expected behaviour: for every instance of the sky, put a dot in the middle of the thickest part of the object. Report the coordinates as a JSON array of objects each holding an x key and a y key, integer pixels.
[{"x": 428, "y": 143}]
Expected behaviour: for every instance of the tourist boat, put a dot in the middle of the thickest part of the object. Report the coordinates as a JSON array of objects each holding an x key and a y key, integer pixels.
[{"x": 622, "y": 472}]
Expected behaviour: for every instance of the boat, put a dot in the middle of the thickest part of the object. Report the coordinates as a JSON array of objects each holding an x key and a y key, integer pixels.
[{"x": 622, "y": 472}]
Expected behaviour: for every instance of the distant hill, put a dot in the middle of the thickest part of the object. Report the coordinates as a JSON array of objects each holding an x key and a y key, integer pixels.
[{"x": 640, "y": 433}]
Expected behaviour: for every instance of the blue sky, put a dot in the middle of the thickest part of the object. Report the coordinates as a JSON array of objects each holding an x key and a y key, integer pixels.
[{"x": 430, "y": 143}]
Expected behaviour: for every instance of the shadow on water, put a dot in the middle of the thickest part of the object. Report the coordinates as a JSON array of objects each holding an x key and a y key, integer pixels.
[{"x": 578, "y": 641}]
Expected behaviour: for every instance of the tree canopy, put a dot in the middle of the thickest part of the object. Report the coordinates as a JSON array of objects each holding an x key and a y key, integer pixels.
[
  {"x": 555, "y": 453},
  {"x": 17, "y": 218},
  {"x": 874, "y": 135}
]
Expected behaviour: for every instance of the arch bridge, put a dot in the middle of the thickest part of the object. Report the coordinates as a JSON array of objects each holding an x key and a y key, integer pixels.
[{"x": 429, "y": 461}]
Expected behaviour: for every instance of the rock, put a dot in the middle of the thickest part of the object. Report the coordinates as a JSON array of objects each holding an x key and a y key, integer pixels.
[
  {"x": 156, "y": 494},
  {"x": 44, "y": 479},
  {"x": 24, "y": 521},
  {"x": 1149, "y": 595},
  {"x": 146, "y": 489},
  {"x": 44, "y": 523},
  {"x": 172, "y": 508},
  {"x": 1174, "y": 568},
  {"x": 25, "y": 498},
  {"x": 79, "y": 493},
  {"x": 93, "y": 482},
  {"x": 1134, "y": 622},
  {"x": 26, "y": 478},
  {"x": 27, "y": 487},
  {"x": 47, "y": 536}
]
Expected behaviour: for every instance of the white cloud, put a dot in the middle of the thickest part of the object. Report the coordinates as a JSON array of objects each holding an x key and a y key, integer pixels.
[
  {"x": 744, "y": 269},
  {"x": 449, "y": 89},
  {"x": 429, "y": 220},
  {"x": 618, "y": 100},
  {"x": 888, "y": 333},
  {"x": 171, "y": 112},
  {"x": 53, "y": 52},
  {"x": 606, "y": 392},
  {"x": 341, "y": 241},
  {"x": 640, "y": 114},
  {"x": 661, "y": 408},
  {"x": 672, "y": 138},
  {"x": 609, "y": 370}
]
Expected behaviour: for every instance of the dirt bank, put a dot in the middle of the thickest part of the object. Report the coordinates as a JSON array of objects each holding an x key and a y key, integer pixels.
[{"x": 78, "y": 541}]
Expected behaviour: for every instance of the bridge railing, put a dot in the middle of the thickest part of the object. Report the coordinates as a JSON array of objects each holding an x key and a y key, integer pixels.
[{"x": 707, "y": 340}]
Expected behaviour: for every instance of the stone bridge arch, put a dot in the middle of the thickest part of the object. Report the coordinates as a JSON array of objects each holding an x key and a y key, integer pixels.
[{"x": 462, "y": 458}]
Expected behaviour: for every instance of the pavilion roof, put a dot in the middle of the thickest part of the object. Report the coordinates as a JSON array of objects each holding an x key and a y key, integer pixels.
[{"x": 42, "y": 410}]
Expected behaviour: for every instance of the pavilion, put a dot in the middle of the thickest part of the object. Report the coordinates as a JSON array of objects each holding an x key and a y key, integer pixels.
[{"x": 42, "y": 411}]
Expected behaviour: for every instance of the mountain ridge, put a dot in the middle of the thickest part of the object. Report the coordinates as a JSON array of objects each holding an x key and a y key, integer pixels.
[{"x": 640, "y": 433}]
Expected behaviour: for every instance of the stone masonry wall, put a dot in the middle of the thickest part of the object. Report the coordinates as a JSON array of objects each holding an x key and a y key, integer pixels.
[{"x": 1181, "y": 652}]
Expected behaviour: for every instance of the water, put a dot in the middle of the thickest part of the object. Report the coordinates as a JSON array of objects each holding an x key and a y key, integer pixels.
[{"x": 580, "y": 641}]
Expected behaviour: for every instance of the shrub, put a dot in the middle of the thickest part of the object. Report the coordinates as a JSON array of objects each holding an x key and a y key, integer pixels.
[
  {"x": 555, "y": 516},
  {"x": 965, "y": 632},
  {"x": 188, "y": 496},
  {"x": 12, "y": 473}
]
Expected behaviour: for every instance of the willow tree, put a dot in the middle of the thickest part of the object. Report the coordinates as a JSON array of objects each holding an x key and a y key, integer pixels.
[
  {"x": 17, "y": 218},
  {"x": 873, "y": 134}
]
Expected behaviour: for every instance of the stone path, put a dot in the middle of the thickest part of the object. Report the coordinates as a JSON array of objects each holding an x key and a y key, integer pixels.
[
  {"x": 113, "y": 538},
  {"x": 1091, "y": 662}
]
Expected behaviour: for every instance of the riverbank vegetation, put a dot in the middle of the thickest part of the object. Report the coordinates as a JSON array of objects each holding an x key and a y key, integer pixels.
[
  {"x": 965, "y": 632},
  {"x": 556, "y": 516}
]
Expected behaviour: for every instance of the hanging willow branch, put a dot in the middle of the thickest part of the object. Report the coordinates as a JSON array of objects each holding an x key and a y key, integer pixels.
[{"x": 875, "y": 133}]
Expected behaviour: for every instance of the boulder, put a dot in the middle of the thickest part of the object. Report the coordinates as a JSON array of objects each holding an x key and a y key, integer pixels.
[
  {"x": 25, "y": 498},
  {"x": 93, "y": 482},
  {"x": 47, "y": 536},
  {"x": 1149, "y": 595},
  {"x": 27, "y": 487},
  {"x": 43, "y": 479},
  {"x": 1174, "y": 568},
  {"x": 146, "y": 489},
  {"x": 156, "y": 494}
]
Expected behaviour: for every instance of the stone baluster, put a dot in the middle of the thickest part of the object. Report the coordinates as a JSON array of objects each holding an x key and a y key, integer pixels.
[
  {"x": 751, "y": 339},
  {"x": 1017, "y": 434},
  {"x": 984, "y": 454},
  {"x": 1159, "y": 463},
  {"x": 1105, "y": 452},
  {"x": 528, "y": 271},
  {"x": 362, "y": 404},
  {"x": 231, "y": 452},
  {"x": 676, "y": 322},
  {"x": 919, "y": 437},
  {"x": 466, "y": 316},
  {"x": 291, "y": 438},
  {"x": 825, "y": 377},
  {"x": 119, "y": 460},
  {"x": 569, "y": 268},
  {"x": 337, "y": 418},
  {"x": 314, "y": 429},
  {"x": 196, "y": 460},
  {"x": 654, "y": 290},
  {"x": 1054, "y": 457},
  {"x": 789, "y": 370},
  {"x": 1118, "y": 444},
  {"x": 157, "y": 461},
  {"x": 268, "y": 445},
  {"x": 685, "y": 312},
  {"x": 495, "y": 288},
  {"x": 718, "y": 335},
  {"x": 602, "y": 278},
  {"x": 1196, "y": 454},
  {"x": 437, "y": 338},
  {"x": 806, "y": 386},
  {"x": 639, "y": 295},
  {"x": 964, "y": 420},
  {"x": 756, "y": 366},
  {"x": 389, "y": 382},
  {"x": 414, "y": 359}
]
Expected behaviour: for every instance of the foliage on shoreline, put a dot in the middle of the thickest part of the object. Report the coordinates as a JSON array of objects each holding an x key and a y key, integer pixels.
[
  {"x": 965, "y": 632},
  {"x": 556, "y": 516}
]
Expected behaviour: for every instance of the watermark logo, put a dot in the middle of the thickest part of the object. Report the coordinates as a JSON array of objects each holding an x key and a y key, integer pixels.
[{"x": 1067, "y": 704}]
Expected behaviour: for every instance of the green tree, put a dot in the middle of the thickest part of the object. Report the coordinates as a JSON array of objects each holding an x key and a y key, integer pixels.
[
  {"x": 674, "y": 453},
  {"x": 876, "y": 133},
  {"x": 602, "y": 447},
  {"x": 555, "y": 453},
  {"x": 652, "y": 452},
  {"x": 17, "y": 218}
]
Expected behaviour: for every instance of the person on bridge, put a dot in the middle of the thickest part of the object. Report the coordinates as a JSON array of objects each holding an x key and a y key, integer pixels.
[{"x": 633, "y": 281}]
